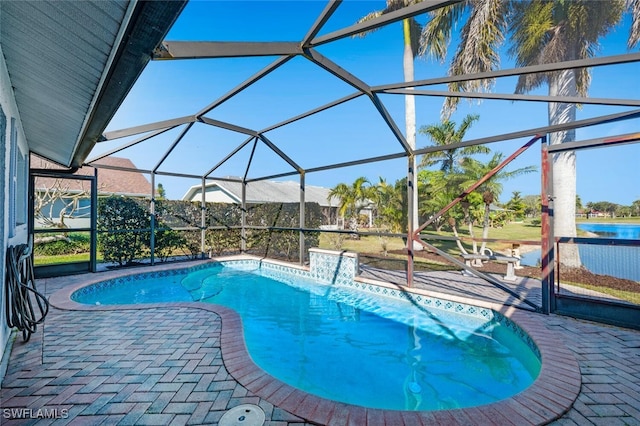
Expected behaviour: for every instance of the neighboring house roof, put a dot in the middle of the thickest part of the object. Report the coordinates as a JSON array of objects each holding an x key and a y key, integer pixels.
[
  {"x": 266, "y": 191},
  {"x": 71, "y": 63},
  {"x": 110, "y": 181}
]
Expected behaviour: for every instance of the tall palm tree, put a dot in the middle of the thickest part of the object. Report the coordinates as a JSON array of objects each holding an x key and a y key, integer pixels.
[
  {"x": 445, "y": 133},
  {"x": 411, "y": 30},
  {"x": 543, "y": 31},
  {"x": 474, "y": 170}
]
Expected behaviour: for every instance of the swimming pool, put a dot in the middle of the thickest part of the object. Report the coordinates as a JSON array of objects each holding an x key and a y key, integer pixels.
[{"x": 351, "y": 342}]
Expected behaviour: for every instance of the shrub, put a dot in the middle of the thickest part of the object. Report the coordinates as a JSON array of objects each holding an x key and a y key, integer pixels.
[
  {"x": 128, "y": 236},
  {"x": 282, "y": 243},
  {"x": 167, "y": 242},
  {"x": 221, "y": 241},
  {"x": 124, "y": 225},
  {"x": 191, "y": 246}
]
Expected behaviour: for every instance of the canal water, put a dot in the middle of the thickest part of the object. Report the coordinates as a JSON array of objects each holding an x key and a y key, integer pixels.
[{"x": 617, "y": 261}]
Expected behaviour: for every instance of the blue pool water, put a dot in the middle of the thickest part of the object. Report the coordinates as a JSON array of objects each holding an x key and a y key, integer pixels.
[{"x": 350, "y": 346}]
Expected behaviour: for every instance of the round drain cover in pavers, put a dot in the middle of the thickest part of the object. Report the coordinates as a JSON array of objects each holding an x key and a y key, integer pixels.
[{"x": 243, "y": 415}]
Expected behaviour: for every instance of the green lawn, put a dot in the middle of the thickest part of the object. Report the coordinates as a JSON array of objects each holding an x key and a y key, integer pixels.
[
  {"x": 67, "y": 258},
  {"x": 629, "y": 296},
  {"x": 374, "y": 244}
]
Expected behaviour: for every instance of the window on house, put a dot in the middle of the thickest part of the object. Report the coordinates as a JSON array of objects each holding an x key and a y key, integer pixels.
[
  {"x": 18, "y": 181},
  {"x": 22, "y": 193},
  {"x": 3, "y": 142}
]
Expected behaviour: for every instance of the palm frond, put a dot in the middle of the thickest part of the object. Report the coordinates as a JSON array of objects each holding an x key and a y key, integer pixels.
[
  {"x": 444, "y": 134},
  {"x": 551, "y": 31},
  {"x": 477, "y": 52},
  {"x": 634, "y": 35},
  {"x": 369, "y": 17},
  {"x": 436, "y": 34},
  {"x": 467, "y": 121},
  {"x": 531, "y": 29}
]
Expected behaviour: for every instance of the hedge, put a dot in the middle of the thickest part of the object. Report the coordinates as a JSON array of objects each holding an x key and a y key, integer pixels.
[{"x": 124, "y": 229}]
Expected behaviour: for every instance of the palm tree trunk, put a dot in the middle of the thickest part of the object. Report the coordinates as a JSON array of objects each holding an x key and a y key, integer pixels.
[
  {"x": 485, "y": 228},
  {"x": 458, "y": 242},
  {"x": 564, "y": 167},
  {"x": 469, "y": 222},
  {"x": 410, "y": 122}
]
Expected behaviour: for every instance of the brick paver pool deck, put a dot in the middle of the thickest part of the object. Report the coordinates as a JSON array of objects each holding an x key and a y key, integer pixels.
[{"x": 183, "y": 364}]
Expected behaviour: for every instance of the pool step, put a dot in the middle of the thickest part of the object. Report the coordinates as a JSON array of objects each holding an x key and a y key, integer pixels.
[
  {"x": 193, "y": 281},
  {"x": 210, "y": 287}
]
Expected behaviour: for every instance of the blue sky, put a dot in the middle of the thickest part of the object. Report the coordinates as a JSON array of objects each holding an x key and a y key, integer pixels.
[{"x": 354, "y": 130}]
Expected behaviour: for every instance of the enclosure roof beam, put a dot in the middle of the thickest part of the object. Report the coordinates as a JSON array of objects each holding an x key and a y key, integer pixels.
[
  {"x": 173, "y": 146},
  {"x": 253, "y": 151},
  {"x": 122, "y": 169},
  {"x": 225, "y": 179},
  {"x": 334, "y": 166},
  {"x": 328, "y": 11},
  {"x": 596, "y": 142},
  {"x": 387, "y": 18},
  {"x": 344, "y": 75},
  {"x": 172, "y": 50},
  {"x": 555, "y": 66},
  {"x": 271, "y": 177},
  {"x": 257, "y": 76},
  {"x": 517, "y": 97},
  {"x": 147, "y": 171},
  {"x": 627, "y": 138},
  {"x": 357, "y": 162},
  {"x": 130, "y": 144},
  {"x": 280, "y": 153},
  {"x": 335, "y": 69},
  {"x": 231, "y": 154},
  {"x": 227, "y": 126},
  {"x": 604, "y": 119},
  {"x": 390, "y": 122},
  {"x": 313, "y": 111},
  {"x": 165, "y": 124},
  {"x": 180, "y": 175}
]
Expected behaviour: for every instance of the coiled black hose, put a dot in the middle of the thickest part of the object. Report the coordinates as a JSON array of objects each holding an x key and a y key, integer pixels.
[{"x": 21, "y": 292}]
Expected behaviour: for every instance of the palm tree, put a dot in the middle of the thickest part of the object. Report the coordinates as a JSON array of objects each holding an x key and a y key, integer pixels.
[
  {"x": 445, "y": 133},
  {"x": 540, "y": 32},
  {"x": 411, "y": 34},
  {"x": 351, "y": 197},
  {"x": 474, "y": 170},
  {"x": 390, "y": 205}
]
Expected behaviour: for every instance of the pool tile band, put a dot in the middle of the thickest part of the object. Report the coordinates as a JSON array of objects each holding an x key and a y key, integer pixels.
[{"x": 549, "y": 397}]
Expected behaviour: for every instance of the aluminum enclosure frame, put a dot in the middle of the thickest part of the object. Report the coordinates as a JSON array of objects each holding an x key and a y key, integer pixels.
[{"x": 306, "y": 48}]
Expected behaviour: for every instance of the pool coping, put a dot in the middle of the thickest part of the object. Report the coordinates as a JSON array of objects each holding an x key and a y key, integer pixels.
[{"x": 550, "y": 396}]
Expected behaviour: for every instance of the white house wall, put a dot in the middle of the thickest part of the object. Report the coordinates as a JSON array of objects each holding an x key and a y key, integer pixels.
[
  {"x": 213, "y": 195},
  {"x": 11, "y": 234}
]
